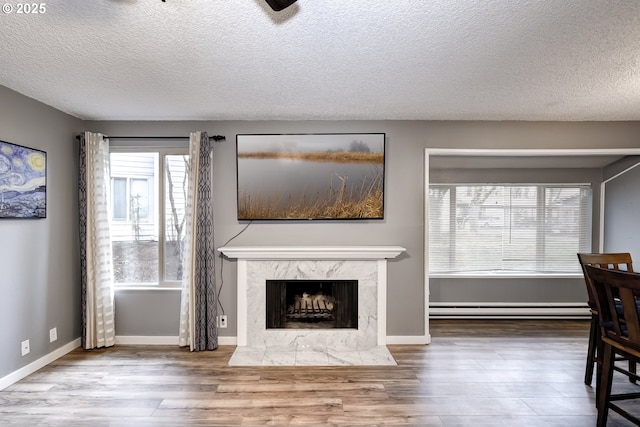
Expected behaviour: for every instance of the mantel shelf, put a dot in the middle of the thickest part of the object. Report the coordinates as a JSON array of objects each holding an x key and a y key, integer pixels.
[{"x": 311, "y": 252}]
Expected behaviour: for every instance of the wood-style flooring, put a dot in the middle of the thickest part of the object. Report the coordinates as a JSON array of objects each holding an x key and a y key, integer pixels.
[{"x": 474, "y": 373}]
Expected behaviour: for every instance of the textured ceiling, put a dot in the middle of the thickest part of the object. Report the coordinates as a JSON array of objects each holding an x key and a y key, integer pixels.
[{"x": 328, "y": 59}]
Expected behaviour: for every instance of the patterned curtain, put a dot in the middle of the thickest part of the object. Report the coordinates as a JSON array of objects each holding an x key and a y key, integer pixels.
[
  {"x": 198, "y": 308},
  {"x": 98, "y": 328}
]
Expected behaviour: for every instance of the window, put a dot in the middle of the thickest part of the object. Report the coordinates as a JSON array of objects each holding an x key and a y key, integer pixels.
[
  {"x": 148, "y": 196},
  {"x": 131, "y": 198},
  {"x": 508, "y": 228}
]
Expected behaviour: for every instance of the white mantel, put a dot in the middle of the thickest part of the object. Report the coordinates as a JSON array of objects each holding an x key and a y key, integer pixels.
[
  {"x": 258, "y": 263},
  {"x": 311, "y": 252}
]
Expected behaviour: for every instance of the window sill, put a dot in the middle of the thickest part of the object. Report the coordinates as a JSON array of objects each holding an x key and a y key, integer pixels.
[
  {"x": 509, "y": 275},
  {"x": 146, "y": 288}
]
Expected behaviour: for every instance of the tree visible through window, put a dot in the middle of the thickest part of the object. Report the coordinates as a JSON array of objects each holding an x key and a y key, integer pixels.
[
  {"x": 513, "y": 228},
  {"x": 148, "y": 214}
]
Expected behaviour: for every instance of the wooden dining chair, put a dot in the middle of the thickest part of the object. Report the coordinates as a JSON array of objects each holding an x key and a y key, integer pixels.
[
  {"x": 618, "y": 305},
  {"x": 613, "y": 261}
]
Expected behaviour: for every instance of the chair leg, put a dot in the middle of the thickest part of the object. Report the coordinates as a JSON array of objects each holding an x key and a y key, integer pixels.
[
  {"x": 604, "y": 385},
  {"x": 632, "y": 369},
  {"x": 591, "y": 351},
  {"x": 600, "y": 352}
]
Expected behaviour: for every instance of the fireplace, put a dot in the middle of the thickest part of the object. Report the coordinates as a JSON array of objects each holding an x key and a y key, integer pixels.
[
  {"x": 311, "y": 304},
  {"x": 359, "y": 341}
]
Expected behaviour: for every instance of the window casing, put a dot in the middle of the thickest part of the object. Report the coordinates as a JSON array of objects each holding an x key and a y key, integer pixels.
[
  {"x": 148, "y": 201},
  {"x": 498, "y": 229}
]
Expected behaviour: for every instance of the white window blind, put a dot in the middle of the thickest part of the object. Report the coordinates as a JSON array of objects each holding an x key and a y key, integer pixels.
[{"x": 508, "y": 228}]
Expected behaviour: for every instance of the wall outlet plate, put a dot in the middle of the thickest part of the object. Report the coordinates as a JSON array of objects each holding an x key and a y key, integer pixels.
[
  {"x": 53, "y": 334},
  {"x": 223, "y": 321},
  {"x": 24, "y": 346}
]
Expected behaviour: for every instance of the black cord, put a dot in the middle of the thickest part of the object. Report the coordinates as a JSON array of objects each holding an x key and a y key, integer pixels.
[{"x": 222, "y": 264}]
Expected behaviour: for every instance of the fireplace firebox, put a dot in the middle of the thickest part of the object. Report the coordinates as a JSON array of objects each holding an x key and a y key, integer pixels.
[{"x": 312, "y": 304}]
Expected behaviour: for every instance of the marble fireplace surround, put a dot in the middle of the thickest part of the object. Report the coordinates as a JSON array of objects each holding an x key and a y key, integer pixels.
[{"x": 257, "y": 345}]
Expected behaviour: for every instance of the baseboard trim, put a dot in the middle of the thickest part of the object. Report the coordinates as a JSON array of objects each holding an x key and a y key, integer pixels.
[
  {"x": 228, "y": 340},
  {"x": 409, "y": 340},
  {"x": 25, "y": 371},
  {"x": 162, "y": 340},
  {"x": 146, "y": 340}
]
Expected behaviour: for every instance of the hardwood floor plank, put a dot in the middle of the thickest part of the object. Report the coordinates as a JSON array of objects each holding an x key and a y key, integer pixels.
[
  {"x": 314, "y": 385},
  {"x": 261, "y": 402}
]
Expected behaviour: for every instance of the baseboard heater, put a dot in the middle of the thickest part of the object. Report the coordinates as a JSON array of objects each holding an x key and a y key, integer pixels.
[{"x": 502, "y": 310}]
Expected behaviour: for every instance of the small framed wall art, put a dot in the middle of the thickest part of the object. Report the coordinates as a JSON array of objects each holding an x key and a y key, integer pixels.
[{"x": 23, "y": 182}]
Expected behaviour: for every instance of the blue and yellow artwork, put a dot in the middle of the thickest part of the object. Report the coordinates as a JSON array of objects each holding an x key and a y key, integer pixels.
[{"x": 23, "y": 182}]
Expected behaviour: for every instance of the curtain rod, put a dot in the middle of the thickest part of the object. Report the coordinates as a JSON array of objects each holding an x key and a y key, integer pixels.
[{"x": 216, "y": 138}]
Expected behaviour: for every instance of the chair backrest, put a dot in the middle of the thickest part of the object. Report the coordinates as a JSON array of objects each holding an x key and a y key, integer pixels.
[
  {"x": 618, "y": 301},
  {"x": 612, "y": 261}
]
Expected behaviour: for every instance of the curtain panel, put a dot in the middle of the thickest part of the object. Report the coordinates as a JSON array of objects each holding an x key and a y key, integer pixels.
[
  {"x": 198, "y": 308},
  {"x": 98, "y": 325}
]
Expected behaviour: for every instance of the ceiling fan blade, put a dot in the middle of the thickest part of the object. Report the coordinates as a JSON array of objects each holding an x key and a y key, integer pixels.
[{"x": 278, "y": 5}]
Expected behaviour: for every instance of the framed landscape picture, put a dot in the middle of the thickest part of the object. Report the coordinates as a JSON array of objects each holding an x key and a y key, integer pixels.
[
  {"x": 311, "y": 176},
  {"x": 23, "y": 182}
]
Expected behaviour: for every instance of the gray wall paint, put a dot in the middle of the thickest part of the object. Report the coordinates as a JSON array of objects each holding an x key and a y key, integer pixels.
[
  {"x": 622, "y": 212},
  {"x": 619, "y": 167},
  {"x": 404, "y": 209},
  {"x": 132, "y": 312},
  {"x": 39, "y": 280},
  {"x": 508, "y": 290}
]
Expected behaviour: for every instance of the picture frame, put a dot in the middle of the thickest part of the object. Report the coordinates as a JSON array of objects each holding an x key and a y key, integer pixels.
[
  {"x": 327, "y": 176},
  {"x": 23, "y": 181}
]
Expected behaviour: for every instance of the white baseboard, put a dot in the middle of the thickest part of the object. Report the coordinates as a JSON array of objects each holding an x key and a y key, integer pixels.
[
  {"x": 409, "y": 340},
  {"x": 228, "y": 340},
  {"x": 25, "y": 371},
  {"x": 162, "y": 340},
  {"x": 146, "y": 340}
]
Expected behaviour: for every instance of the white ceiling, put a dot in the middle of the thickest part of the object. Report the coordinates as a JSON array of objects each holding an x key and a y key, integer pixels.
[{"x": 328, "y": 59}]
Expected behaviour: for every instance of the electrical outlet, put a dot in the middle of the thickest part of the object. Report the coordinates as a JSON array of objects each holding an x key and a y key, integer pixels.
[
  {"x": 223, "y": 321},
  {"x": 24, "y": 345},
  {"x": 53, "y": 334}
]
